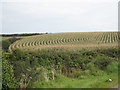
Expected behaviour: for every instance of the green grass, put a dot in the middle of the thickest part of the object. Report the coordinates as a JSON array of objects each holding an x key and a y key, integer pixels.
[
  {"x": 88, "y": 82},
  {"x": 5, "y": 38}
]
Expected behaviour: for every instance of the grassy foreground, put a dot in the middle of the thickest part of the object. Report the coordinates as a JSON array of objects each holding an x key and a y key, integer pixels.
[{"x": 88, "y": 82}]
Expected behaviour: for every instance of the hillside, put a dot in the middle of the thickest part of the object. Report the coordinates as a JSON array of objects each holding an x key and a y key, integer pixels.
[
  {"x": 61, "y": 60},
  {"x": 76, "y": 39}
]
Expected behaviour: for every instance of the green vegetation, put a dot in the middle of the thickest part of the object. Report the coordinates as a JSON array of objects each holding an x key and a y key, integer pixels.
[
  {"x": 6, "y": 43},
  {"x": 6, "y": 38},
  {"x": 88, "y": 82},
  {"x": 8, "y": 79},
  {"x": 62, "y": 60},
  {"x": 65, "y": 69}
]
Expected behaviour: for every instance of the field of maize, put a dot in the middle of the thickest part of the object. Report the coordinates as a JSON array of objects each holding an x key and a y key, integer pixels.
[{"x": 71, "y": 40}]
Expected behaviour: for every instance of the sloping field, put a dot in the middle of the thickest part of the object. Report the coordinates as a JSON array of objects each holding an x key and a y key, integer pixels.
[{"x": 71, "y": 40}]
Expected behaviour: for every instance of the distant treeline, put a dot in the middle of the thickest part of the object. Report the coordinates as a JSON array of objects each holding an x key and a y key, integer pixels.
[{"x": 23, "y": 34}]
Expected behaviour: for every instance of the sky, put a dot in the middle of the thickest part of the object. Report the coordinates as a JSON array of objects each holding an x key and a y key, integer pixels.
[{"x": 21, "y": 16}]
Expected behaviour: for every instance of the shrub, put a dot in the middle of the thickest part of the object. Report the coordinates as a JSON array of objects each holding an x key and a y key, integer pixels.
[
  {"x": 112, "y": 67},
  {"x": 7, "y": 43},
  {"x": 102, "y": 61},
  {"x": 8, "y": 78}
]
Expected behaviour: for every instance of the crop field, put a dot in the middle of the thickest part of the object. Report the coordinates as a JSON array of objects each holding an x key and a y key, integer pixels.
[
  {"x": 61, "y": 60},
  {"x": 68, "y": 40}
]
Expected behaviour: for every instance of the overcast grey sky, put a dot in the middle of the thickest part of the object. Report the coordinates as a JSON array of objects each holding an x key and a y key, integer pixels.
[{"x": 19, "y": 16}]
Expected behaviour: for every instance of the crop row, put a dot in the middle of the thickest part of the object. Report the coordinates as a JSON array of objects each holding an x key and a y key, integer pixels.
[{"x": 68, "y": 38}]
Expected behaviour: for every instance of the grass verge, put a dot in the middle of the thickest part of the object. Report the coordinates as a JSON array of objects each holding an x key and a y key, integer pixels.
[{"x": 88, "y": 82}]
